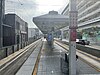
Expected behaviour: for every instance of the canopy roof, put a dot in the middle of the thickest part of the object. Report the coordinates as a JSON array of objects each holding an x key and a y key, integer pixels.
[{"x": 51, "y": 21}]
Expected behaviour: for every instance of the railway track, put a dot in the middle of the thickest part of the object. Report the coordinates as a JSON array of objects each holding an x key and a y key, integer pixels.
[{"x": 11, "y": 64}]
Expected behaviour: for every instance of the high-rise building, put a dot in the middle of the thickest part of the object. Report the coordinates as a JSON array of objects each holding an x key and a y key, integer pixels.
[{"x": 88, "y": 19}]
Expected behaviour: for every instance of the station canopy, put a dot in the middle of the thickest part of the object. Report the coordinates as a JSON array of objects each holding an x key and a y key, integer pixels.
[{"x": 51, "y": 22}]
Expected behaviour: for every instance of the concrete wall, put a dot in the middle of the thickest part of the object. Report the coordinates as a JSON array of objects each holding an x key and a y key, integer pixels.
[
  {"x": 3, "y": 53},
  {"x": 6, "y": 51}
]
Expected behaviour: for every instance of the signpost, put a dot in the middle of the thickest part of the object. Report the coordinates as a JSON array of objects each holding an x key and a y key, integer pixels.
[{"x": 72, "y": 39}]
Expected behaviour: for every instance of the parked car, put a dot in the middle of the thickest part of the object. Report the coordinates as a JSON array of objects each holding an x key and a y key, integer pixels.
[
  {"x": 87, "y": 42},
  {"x": 82, "y": 42}
]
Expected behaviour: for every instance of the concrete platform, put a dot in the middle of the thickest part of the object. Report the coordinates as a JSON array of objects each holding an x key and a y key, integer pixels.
[
  {"x": 50, "y": 63},
  {"x": 93, "y": 46}
]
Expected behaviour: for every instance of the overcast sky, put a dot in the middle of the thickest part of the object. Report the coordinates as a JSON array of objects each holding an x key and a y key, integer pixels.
[{"x": 27, "y": 9}]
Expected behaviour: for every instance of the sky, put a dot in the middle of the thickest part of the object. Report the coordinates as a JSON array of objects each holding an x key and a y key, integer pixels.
[{"x": 27, "y": 9}]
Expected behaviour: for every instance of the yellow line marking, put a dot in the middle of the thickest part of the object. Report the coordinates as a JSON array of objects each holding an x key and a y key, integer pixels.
[
  {"x": 35, "y": 70},
  {"x": 36, "y": 66}
]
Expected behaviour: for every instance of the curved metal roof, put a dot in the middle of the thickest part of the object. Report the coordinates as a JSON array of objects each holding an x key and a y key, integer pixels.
[{"x": 51, "y": 21}]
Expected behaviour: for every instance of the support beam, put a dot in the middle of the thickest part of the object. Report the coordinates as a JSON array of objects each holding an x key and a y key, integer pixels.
[
  {"x": 72, "y": 39},
  {"x": 1, "y": 20},
  {"x": 62, "y": 35}
]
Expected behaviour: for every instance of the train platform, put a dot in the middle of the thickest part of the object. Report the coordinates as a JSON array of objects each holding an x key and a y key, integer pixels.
[{"x": 50, "y": 63}]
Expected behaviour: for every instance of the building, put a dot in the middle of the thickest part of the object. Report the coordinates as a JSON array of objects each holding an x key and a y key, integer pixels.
[
  {"x": 37, "y": 32},
  {"x": 88, "y": 19},
  {"x": 33, "y": 33},
  {"x": 15, "y": 30}
]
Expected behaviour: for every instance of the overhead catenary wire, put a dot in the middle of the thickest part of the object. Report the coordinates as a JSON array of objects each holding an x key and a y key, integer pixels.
[
  {"x": 25, "y": 5},
  {"x": 33, "y": 4},
  {"x": 27, "y": 13},
  {"x": 15, "y": 10}
]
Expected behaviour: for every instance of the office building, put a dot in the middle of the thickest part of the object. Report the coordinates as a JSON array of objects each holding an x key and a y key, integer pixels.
[{"x": 33, "y": 33}]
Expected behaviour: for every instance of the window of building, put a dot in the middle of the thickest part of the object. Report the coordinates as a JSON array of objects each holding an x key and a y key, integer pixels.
[
  {"x": 17, "y": 25},
  {"x": 96, "y": 7}
]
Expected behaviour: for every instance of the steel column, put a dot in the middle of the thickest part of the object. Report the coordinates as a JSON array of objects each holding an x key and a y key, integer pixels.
[
  {"x": 1, "y": 21},
  {"x": 72, "y": 39}
]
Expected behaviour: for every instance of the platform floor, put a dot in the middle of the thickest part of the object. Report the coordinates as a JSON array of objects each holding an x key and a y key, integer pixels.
[{"x": 50, "y": 63}]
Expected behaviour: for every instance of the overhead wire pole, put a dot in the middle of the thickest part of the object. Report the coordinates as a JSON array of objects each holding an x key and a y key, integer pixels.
[{"x": 72, "y": 39}]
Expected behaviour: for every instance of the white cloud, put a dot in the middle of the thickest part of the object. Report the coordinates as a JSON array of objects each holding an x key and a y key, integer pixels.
[{"x": 26, "y": 9}]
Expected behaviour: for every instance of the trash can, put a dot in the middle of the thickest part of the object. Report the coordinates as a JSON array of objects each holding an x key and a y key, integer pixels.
[
  {"x": 64, "y": 63},
  {"x": 64, "y": 60}
]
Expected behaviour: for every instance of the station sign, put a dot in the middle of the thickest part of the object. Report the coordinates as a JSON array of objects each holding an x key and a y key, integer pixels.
[
  {"x": 73, "y": 20},
  {"x": 73, "y": 35}
]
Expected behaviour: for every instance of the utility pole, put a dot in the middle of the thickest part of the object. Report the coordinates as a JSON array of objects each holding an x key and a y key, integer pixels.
[
  {"x": 1, "y": 20},
  {"x": 72, "y": 39}
]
